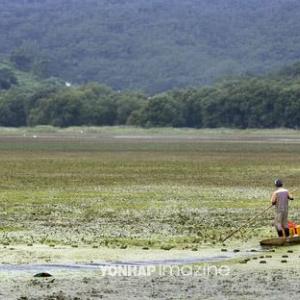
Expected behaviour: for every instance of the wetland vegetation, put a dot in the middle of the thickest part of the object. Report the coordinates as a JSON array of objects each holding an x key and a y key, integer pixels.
[{"x": 130, "y": 187}]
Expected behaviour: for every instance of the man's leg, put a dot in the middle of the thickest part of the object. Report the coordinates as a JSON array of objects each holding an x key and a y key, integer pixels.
[
  {"x": 285, "y": 224},
  {"x": 279, "y": 232},
  {"x": 287, "y": 232},
  {"x": 278, "y": 225}
]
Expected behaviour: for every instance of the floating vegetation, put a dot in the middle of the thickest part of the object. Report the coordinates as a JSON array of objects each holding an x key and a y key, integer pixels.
[
  {"x": 262, "y": 261},
  {"x": 167, "y": 247},
  {"x": 244, "y": 261},
  {"x": 43, "y": 275},
  {"x": 284, "y": 261}
]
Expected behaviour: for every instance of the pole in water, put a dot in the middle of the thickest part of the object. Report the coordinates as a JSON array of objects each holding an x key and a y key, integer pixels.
[{"x": 247, "y": 223}]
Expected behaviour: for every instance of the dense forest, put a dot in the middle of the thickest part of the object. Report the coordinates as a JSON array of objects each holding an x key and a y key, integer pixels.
[
  {"x": 150, "y": 46},
  {"x": 266, "y": 101}
]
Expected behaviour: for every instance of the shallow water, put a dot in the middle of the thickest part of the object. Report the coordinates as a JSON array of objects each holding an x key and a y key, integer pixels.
[{"x": 95, "y": 266}]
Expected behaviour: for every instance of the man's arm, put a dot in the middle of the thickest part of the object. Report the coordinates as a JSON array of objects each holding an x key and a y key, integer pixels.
[
  {"x": 290, "y": 196},
  {"x": 274, "y": 198}
]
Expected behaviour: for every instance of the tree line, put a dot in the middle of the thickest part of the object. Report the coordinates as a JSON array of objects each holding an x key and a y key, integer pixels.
[{"x": 249, "y": 102}]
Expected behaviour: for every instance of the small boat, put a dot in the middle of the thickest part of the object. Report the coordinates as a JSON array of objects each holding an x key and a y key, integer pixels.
[{"x": 281, "y": 241}]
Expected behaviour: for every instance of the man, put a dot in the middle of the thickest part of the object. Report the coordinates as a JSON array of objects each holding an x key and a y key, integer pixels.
[{"x": 280, "y": 198}]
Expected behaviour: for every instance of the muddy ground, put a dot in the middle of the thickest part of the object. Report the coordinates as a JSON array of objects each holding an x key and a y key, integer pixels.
[{"x": 246, "y": 272}]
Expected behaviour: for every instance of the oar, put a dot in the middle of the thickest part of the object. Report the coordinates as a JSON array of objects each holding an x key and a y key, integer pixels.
[{"x": 247, "y": 223}]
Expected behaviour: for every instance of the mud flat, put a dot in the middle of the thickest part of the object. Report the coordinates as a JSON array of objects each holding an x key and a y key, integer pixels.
[{"x": 205, "y": 274}]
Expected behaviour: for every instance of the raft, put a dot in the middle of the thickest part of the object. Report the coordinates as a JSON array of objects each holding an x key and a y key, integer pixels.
[{"x": 281, "y": 241}]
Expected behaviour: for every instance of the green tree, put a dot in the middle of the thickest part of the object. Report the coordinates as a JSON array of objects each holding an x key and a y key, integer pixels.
[
  {"x": 12, "y": 109},
  {"x": 7, "y": 79},
  {"x": 22, "y": 59},
  {"x": 128, "y": 103},
  {"x": 99, "y": 105},
  {"x": 163, "y": 110},
  {"x": 61, "y": 109}
]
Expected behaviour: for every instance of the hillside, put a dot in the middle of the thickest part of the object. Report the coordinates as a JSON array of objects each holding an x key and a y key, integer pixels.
[
  {"x": 150, "y": 45},
  {"x": 12, "y": 78}
]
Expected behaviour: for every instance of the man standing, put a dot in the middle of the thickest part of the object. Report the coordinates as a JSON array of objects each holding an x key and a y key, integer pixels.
[{"x": 280, "y": 198}]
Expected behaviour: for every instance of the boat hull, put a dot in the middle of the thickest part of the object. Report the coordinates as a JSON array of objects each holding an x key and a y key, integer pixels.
[{"x": 280, "y": 241}]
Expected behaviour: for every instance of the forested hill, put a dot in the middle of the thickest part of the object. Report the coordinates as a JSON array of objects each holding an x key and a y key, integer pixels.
[{"x": 151, "y": 45}]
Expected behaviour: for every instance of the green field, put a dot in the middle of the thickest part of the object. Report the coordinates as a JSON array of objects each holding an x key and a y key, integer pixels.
[{"x": 127, "y": 187}]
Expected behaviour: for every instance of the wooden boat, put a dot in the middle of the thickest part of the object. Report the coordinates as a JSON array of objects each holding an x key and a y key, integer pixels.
[{"x": 281, "y": 241}]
